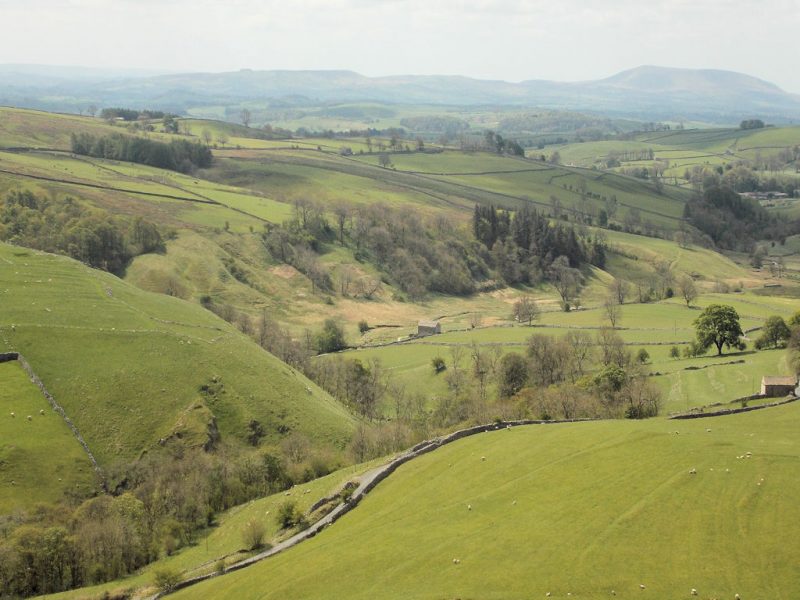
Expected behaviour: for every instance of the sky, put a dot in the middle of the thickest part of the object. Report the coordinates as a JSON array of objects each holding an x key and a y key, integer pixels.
[{"x": 513, "y": 40}]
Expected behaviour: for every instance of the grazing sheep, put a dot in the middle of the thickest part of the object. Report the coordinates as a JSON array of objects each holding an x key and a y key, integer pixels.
[
  {"x": 469, "y": 506},
  {"x": 694, "y": 592},
  {"x": 737, "y": 597},
  {"x": 13, "y": 415},
  {"x": 456, "y": 561},
  {"x": 693, "y": 471},
  {"x": 514, "y": 503},
  {"x": 547, "y": 594},
  {"x": 641, "y": 586},
  {"x": 483, "y": 458},
  {"x": 30, "y": 418},
  {"x": 41, "y": 412}
]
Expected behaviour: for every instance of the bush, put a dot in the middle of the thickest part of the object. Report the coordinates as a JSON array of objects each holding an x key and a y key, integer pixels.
[
  {"x": 674, "y": 352},
  {"x": 694, "y": 349},
  {"x": 363, "y": 327},
  {"x": 438, "y": 364},
  {"x": 253, "y": 534},
  {"x": 166, "y": 579},
  {"x": 643, "y": 356},
  {"x": 289, "y": 515}
]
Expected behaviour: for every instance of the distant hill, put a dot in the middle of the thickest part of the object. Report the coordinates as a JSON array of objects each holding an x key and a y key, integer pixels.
[{"x": 650, "y": 93}]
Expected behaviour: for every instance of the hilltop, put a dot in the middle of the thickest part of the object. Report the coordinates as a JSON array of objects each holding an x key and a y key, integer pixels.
[{"x": 649, "y": 93}]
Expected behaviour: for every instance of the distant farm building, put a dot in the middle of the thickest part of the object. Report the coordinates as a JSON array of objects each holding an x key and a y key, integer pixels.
[
  {"x": 775, "y": 387},
  {"x": 425, "y": 328}
]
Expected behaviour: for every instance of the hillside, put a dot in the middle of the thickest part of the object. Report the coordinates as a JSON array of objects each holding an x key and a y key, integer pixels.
[
  {"x": 132, "y": 368},
  {"x": 610, "y": 499},
  {"x": 649, "y": 93}
]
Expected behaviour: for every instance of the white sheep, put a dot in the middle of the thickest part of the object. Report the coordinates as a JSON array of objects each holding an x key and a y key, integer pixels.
[
  {"x": 41, "y": 412},
  {"x": 456, "y": 561},
  {"x": 13, "y": 415},
  {"x": 469, "y": 506},
  {"x": 483, "y": 458},
  {"x": 694, "y": 592},
  {"x": 693, "y": 471},
  {"x": 641, "y": 586},
  {"x": 30, "y": 418},
  {"x": 737, "y": 597}
]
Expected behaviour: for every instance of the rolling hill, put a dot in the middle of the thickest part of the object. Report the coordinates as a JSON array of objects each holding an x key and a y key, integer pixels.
[
  {"x": 134, "y": 369},
  {"x": 650, "y": 93}
]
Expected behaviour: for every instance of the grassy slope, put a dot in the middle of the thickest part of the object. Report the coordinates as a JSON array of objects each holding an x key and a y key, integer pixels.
[
  {"x": 127, "y": 365},
  {"x": 581, "y": 509},
  {"x": 40, "y": 459}
]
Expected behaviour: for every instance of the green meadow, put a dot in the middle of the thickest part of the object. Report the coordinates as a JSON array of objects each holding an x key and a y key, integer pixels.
[
  {"x": 40, "y": 459},
  {"x": 589, "y": 510}
]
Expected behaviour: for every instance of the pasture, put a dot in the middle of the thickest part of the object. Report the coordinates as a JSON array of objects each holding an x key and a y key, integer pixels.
[
  {"x": 667, "y": 505},
  {"x": 40, "y": 459}
]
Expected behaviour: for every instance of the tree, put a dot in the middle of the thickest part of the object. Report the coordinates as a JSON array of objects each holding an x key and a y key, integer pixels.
[
  {"x": 222, "y": 138},
  {"x": 565, "y": 279},
  {"x": 384, "y": 160},
  {"x": 245, "y": 116},
  {"x": 526, "y": 310},
  {"x": 205, "y": 135},
  {"x": 687, "y": 289},
  {"x": 513, "y": 374},
  {"x": 331, "y": 338},
  {"x": 620, "y": 289},
  {"x": 613, "y": 310},
  {"x": 774, "y": 333},
  {"x": 719, "y": 325},
  {"x": 92, "y": 110}
]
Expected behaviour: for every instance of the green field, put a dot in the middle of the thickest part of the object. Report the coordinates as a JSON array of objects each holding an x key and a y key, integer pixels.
[
  {"x": 577, "y": 509},
  {"x": 40, "y": 459}
]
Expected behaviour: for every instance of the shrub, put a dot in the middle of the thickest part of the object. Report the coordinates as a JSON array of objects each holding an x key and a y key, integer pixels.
[
  {"x": 643, "y": 356},
  {"x": 694, "y": 349},
  {"x": 289, "y": 515},
  {"x": 674, "y": 352},
  {"x": 166, "y": 579},
  {"x": 253, "y": 534},
  {"x": 363, "y": 327},
  {"x": 438, "y": 364}
]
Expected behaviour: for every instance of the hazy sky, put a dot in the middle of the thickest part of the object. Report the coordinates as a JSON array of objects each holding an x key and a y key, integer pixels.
[{"x": 497, "y": 39}]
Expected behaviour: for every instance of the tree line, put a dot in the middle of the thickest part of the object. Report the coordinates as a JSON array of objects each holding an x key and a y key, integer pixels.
[{"x": 178, "y": 155}]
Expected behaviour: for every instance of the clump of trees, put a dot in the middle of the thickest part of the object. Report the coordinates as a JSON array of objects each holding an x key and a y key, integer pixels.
[
  {"x": 178, "y": 155},
  {"x": 66, "y": 226},
  {"x": 734, "y": 222},
  {"x": 129, "y": 114},
  {"x": 157, "y": 507}
]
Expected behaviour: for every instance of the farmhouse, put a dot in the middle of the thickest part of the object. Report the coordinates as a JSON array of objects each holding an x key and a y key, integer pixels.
[
  {"x": 425, "y": 328},
  {"x": 774, "y": 387}
]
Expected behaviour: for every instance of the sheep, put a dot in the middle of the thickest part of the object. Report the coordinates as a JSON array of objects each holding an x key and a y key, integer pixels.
[
  {"x": 641, "y": 586},
  {"x": 694, "y": 592},
  {"x": 737, "y": 597},
  {"x": 30, "y": 418},
  {"x": 469, "y": 506},
  {"x": 41, "y": 412},
  {"x": 514, "y": 503},
  {"x": 693, "y": 471},
  {"x": 456, "y": 561},
  {"x": 547, "y": 594},
  {"x": 13, "y": 415},
  {"x": 483, "y": 458}
]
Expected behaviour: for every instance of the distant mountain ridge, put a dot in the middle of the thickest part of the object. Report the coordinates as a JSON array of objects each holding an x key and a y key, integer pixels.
[{"x": 647, "y": 92}]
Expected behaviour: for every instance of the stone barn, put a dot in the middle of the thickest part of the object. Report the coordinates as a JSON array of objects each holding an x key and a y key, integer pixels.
[
  {"x": 776, "y": 387},
  {"x": 425, "y": 328}
]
